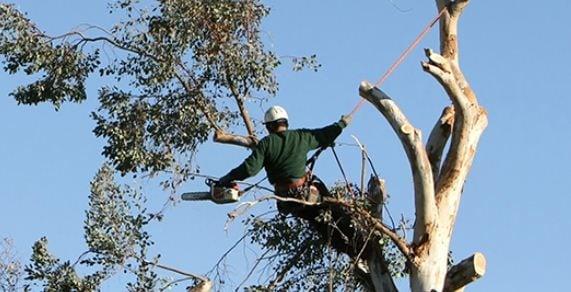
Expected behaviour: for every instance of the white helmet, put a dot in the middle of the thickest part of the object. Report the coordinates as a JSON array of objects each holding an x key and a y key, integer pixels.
[{"x": 275, "y": 113}]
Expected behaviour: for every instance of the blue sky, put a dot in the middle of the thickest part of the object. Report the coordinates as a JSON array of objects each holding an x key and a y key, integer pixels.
[{"x": 515, "y": 54}]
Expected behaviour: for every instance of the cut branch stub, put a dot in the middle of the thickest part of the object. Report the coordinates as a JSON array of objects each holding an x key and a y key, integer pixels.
[
  {"x": 377, "y": 195},
  {"x": 467, "y": 271}
]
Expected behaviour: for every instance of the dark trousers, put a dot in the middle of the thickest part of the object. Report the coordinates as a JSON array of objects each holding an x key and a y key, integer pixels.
[{"x": 339, "y": 232}]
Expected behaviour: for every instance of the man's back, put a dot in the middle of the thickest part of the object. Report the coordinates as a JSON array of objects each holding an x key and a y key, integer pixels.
[
  {"x": 286, "y": 153},
  {"x": 283, "y": 154}
]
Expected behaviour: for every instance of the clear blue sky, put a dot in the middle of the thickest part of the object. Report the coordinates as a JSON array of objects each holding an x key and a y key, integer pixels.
[{"x": 516, "y": 55}]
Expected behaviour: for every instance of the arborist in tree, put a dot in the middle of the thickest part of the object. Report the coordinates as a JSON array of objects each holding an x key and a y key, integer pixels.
[{"x": 283, "y": 153}]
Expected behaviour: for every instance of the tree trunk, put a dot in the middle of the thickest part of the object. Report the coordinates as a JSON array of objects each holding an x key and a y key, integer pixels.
[
  {"x": 437, "y": 187},
  {"x": 429, "y": 273}
]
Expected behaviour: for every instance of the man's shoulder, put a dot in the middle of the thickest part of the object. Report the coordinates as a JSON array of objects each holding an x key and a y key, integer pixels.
[
  {"x": 269, "y": 139},
  {"x": 314, "y": 130}
]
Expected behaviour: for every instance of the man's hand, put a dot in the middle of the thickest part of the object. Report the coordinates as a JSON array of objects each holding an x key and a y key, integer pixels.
[
  {"x": 346, "y": 119},
  {"x": 225, "y": 182}
]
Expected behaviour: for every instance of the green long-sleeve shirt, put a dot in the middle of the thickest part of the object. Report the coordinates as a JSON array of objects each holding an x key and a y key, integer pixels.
[{"x": 284, "y": 154}]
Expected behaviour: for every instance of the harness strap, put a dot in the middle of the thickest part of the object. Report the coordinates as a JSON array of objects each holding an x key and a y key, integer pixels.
[
  {"x": 311, "y": 161},
  {"x": 341, "y": 168}
]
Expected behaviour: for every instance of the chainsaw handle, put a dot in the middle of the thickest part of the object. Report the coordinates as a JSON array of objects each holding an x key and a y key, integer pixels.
[{"x": 210, "y": 182}]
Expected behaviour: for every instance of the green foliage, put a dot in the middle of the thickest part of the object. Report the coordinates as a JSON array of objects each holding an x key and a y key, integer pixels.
[
  {"x": 55, "y": 275},
  {"x": 396, "y": 261},
  {"x": 300, "y": 63},
  {"x": 116, "y": 240},
  {"x": 179, "y": 67},
  {"x": 115, "y": 221},
  {"x": 299, "y": 256},
  {"x": 61, "y": 68}
]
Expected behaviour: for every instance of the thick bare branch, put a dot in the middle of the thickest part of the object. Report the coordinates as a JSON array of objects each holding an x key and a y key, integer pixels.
[
  {"x": 438, "y": 138},
  {"x": 469, "y": 120},
  {"x": 411, "y": 140},
  {"x": 457, "y": 166},
  {"x": 467, "y": 113},
  {"x": 448, "y": 31},
  {"x": 204, "y": 284},
  {"x": 443, "y": 70},
  {"x": 225, "y": 138}
]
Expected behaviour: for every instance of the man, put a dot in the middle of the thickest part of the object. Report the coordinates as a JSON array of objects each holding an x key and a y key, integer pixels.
[{"x": 283, "y": 153}]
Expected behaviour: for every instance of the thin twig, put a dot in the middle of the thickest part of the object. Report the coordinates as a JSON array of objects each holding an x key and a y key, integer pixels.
[
  {"x": 80, "y": 257},
  {"x": 260, "y": 259},
  {"x": 390, "y": 216},
  {"x": 228, "y": 252}
]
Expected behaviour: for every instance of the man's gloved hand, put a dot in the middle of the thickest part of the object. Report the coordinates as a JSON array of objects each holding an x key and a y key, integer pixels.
[
  {"x": 346, "y": 120},
  {"x": 224, "y": 182}
]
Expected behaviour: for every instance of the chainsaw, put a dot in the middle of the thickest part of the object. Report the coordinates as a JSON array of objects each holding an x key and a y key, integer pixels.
[{"x": 217, "y": 194}]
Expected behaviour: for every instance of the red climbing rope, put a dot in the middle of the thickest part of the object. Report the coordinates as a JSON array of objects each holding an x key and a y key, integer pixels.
[{"x": 402, "y": 57}]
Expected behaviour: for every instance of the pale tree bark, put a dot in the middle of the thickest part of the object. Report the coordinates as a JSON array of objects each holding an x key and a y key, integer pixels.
[
  {"x": 244, "y": 141},
  {"x": 437, "y": 187}
]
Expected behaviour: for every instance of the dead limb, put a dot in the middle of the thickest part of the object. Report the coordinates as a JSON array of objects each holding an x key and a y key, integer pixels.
[
  {"x": 244, "y": 141},
  {"x": 411, "y": 140},
  {"x": 204, "y": 284},
  {"x": 469, "y": 118}
]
